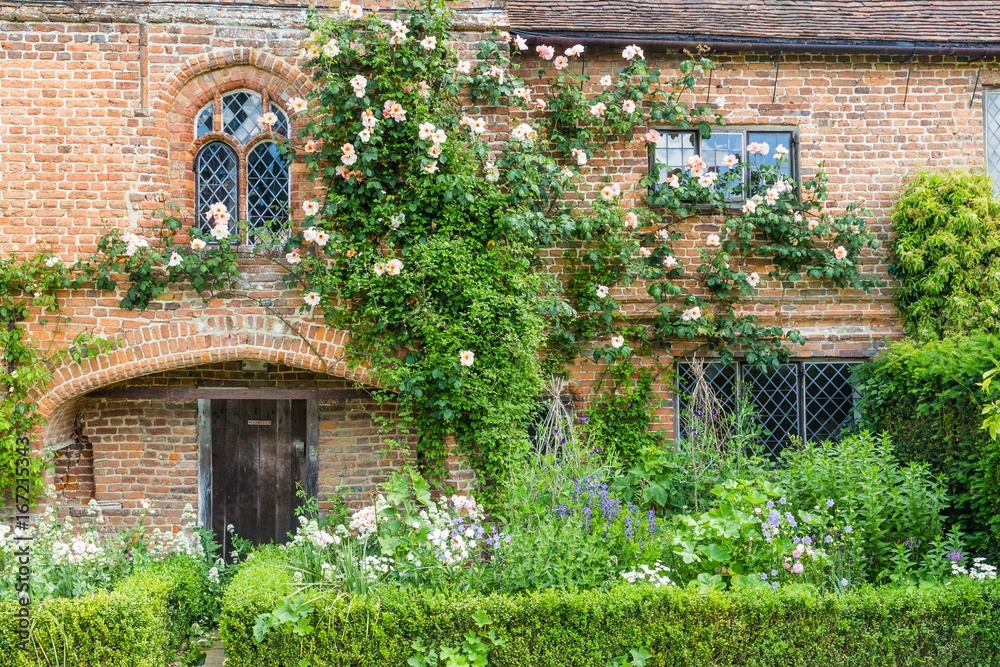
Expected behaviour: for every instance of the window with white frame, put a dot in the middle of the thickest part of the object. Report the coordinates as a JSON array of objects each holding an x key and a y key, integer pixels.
[
  {"x": 813, "y": 400},
  {"x": 238, "y": 164},
  {"x": 675, "y": 147},
  {"x": 991, "y": 132}
]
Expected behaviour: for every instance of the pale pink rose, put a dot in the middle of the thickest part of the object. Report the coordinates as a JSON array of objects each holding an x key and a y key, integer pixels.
[
  {"x": 293, "y": 257},
  {"x": 348, "y": 156},
  {"x": 606, "y": 81},
  {"x": 466, "y": 357},
  {"x": 322, "y": 238},
  {"x": 523, "y": 93},
  {"x": 780, "y": 152},
  {"x": 753, "y": 279},
  {"x": 312, "y": 299},
  {"x": 602, "y": 291},
  {"x": 369, "y": 119},
  {"x": 750, "y": 206},
  {"x": 673, "y": 181},
  {"x": 579, "y": 155},
  {"x": 646, "y": 252},
  {"x": 713, "y": 241},
  {"x": 380, "y": 269},
  {"x": 434, "y": 151},
  {"x": 731, "y": 161},
  {"x": 840, "y": 252},
  {"x": 609, "y": 192},
  {"x": 651, "y": 136},
  {"x": 546, "y": 52},
  {"x": 310, "y": 207},
  {"x": 633, "y": 51},
  {"x": 561, "y": 62},
  {"x": 574, "y": 51},
  {"x": 309, "y": 235},
  {"x": 617, "y": 341},
  {"x": 297, "y": 105},
  {"x": 197, "y": 244},
  {"x": 464, "y": 67},
  {"x": 598, "y": 110},
  {"x": 521, "y": 43},
  {"x": 359, "y": 83},
  {"x": 365, "y": 135},
  {"x": 430, "y": 168},
  {"x": 540, "y": 104},
  {"x": 631, "y": 220},
  {"x": 429, "y": 43},
  {"x": 331, "y": 49},
  {"x": 813, "y": 224},
  {"x": 216, "y": 209},
  {"x": 669, "y": 262},
  {"x": 628, "y": 106},
  {"x": 175, "y": 260},
  {"x": 393, "y": 267},
  {"x": 311, "y": 146}
]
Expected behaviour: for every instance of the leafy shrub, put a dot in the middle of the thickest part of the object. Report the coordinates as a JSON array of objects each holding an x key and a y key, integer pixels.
[
  {"x": 619, "y": 419},
  {"x": 957, "y": 626},
  {"x": 897, "y": 510},
  {"x": 925, "y": 397},
  {"x": 948, "y": 250},
  {"x": 142, "y": 622},
  {"x": 753, "y": 537}
]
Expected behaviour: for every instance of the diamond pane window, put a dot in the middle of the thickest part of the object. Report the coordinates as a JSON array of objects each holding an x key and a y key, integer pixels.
[
  {"x": 206, "y": 121},
  {"x": 281, "y": 127},
  {"x": 812, "y": 400},
  {"x": 240, "y": 112},
  {"x": 991, "y": 127},
  {"x": 829, "y": 397},
  {"x": 267, "y": 193},
  {"x": 217, "y": 171},
  {"x": 776, "y": 397}
]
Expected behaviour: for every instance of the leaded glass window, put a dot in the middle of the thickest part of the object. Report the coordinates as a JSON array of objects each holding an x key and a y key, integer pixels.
[
  {"x": 217, "y": 171},
  {"x": 991, "y": 127},
  {"x": 206, "y": 121},
  {"x": 267, "y": 192},
  {"x": 811, "y": 400},
  {"x": 244, "y": 170},
  {"x": 241, "y": 112}
]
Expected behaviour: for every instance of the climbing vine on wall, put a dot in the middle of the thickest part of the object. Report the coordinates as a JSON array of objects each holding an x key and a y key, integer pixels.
[{"x": 445, "y": 187}]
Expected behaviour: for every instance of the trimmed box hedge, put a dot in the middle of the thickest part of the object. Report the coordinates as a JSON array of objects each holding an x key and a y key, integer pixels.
[
  {"x": 957, "y": 625},
  {"x": 141, "y": 623}
]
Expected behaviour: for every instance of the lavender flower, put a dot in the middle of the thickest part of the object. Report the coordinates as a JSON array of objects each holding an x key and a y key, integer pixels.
[
  {"x": 651, "y": 527},
  {"x": 845, "y": 583},
  {"x": 955, "y": 556},
  {"x": 829, "y": 502},
  {"x": 770, "y": 504}
]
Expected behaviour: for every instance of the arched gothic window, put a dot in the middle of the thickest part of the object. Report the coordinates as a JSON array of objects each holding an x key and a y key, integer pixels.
[{"x": 238, "y": 164}]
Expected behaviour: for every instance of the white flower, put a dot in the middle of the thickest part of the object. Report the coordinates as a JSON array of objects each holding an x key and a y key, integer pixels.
[
  {"x": 216, "y": 209},
  {"x": 521, "y": 43},
  {"x": 692, "y": 313},
  {"x": 561, "y": 62},
  {"x": 430, "y": 167},
  {"x": 713, "y": 241},
  {"x": 359, "y": 83},
  {"x": 365, "y": 135},
  {"x": 297, "y": 105},
  {"x": 309, "y": 235},
  {"x": 579, "y": 155},
  {"x": 646, "y": 252},
  {"x": 429, "y": 43},
  {"x": 522, "y": 93},
  {"x": 673, "y": 181},
  {"x": 669, "y": 262},
  {"x": 464, "y": 67},
  {"x": 379, "y": 268},
  {"x": 348, "y": 156},
  {"x": 606, "y": 81},
  {"x": 598, "y": 110},
  {"x": 731, "y": 161},
  {"x": 750, "y": 206},
  {"x": 331, "y": 49},
  {"x": 574, "y": 51},
  {"x": 602, "y": 291},
  {"x": 267, "y": 121},
  {"x": 220, "y": 232},
  {"x": 322, "y": 238},
  {"x": 617, "y": 341},
  {"x": 753, "y": 148},
  {"x": 133, "y": 243},
  {"x": 633, "y": 51},
  {"x": 631, "y": 220},
  {"x": 197, "y": 244},
  {"x": 466, "y": 357},
  {"x": 393, "y": 267},
  {"x": 312, "y": 298},
  {"x": 439, "y": 137},
  {"x": 369, "y": 119},
  {"x": 426, "y": 130},
  {"x": 310, "y": 207},
  {"x": 175, "y": 260},
  {"x": 628, "y": 106},
  {"x": 753, "y": 279},
  {"x": 434, "y": 151},
  {"x": 720, "y": 102},
  {"x": 293, "y": 257},
  {"x": 51, "y": 261},
  {"x": 780, "y": 152},
  {"x": 523, "y": 132}
]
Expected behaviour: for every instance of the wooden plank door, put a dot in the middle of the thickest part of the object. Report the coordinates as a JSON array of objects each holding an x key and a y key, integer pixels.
[{"x": 258, "y": 455}]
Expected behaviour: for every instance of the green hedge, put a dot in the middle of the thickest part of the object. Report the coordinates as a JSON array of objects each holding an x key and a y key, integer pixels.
[
  {"x": 141, "y": 623},
  {"x": 925, "y": 397},
  {"x": 958, "y": 625}
]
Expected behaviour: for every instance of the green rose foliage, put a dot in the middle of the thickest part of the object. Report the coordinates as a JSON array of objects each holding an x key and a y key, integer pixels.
[{"x": 948, "y": 254}]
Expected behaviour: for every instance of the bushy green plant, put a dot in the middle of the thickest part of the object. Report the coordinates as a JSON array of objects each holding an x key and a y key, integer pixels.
[
  {"x": 620, "y": 417},
  {"x": 957, "y": 625},
  {"x": 947, "y": 247},
  {"x": 926, "y": 397},
  {"x": 896, "y": 509}
]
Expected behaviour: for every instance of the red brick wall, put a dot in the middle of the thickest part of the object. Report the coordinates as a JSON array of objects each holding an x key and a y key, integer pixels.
[{"x": 97, "y": 104}]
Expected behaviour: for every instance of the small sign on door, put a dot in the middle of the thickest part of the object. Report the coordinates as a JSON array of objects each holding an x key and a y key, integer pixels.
[{"x": 258, "y": 422}]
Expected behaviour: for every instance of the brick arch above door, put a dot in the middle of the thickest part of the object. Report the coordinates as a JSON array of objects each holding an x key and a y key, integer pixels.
[{"x": 163, "y": 346}]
